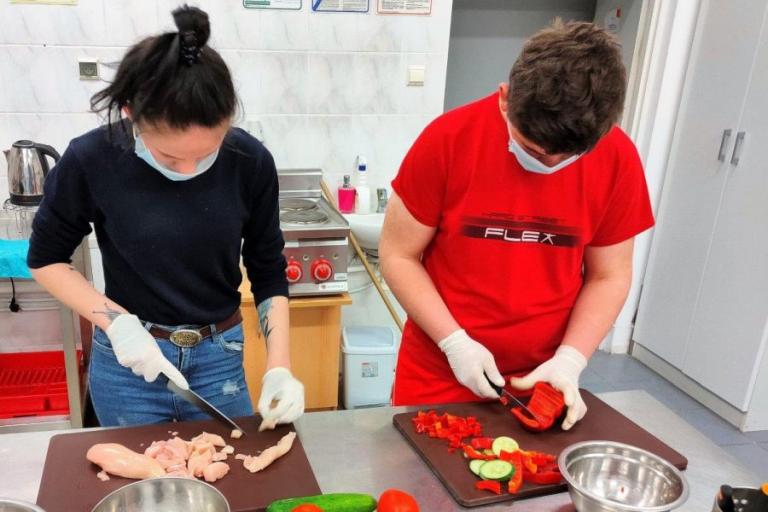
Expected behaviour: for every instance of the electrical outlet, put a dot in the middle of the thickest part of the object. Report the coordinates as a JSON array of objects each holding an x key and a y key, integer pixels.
[{"x": 88, "y": 68}]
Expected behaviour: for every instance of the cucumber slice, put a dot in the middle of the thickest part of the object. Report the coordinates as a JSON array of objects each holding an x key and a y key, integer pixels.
[
  {"x": 504, "y": 443},
  {"x": 499, "y": 470},
  {"x": 475, "y": 465},
  {"x": 488, "y": 452}
]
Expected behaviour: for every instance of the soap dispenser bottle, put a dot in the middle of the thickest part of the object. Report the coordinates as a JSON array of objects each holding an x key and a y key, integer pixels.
[
  {"x": 363, "y": 190},
  {"x": 347, "y": 196}
]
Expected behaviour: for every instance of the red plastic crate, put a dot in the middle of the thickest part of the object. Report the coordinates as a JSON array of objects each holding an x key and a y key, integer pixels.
[{"x": 34, "y": 384}]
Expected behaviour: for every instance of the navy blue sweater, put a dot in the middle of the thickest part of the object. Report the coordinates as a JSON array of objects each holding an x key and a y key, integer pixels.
[{"x": 170, "y": 249}]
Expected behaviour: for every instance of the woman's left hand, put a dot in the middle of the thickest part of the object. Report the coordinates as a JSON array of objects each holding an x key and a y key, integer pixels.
[
  {"x": 279, "y": 385},
  {"x": 562, "y": 372}
]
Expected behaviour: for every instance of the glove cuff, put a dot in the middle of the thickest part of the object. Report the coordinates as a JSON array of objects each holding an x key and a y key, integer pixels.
[
  {"x": 572, "y": 356},
  {"x": 277, "y": 370},
  {"x": 449, "y": 341},
  {"x": 122, "y": 321}
]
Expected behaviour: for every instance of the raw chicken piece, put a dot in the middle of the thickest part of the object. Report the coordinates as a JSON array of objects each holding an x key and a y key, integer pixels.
[
  {"x": 214, "y": 439},
  {"x": 229, "y": 449},
  {"x": 236, "y": 434},
  {"x": 103, "y": 476},
  {"x": 215, "y": 471},
  {"x": 168, "y": 453},
  {"x": 268, "y": 456},
  {"x": 198, "y": 462},
  {"x": 118, "y": 460},
  {"x": 267, "y": 425},
  {"x": 219, "y": 456}
]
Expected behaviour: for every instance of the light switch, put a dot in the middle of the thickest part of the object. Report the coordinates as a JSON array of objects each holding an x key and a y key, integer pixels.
[{"x": 416, "y": 74}]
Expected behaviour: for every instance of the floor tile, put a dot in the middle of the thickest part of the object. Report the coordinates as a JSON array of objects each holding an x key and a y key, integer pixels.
[
  {"x": 759, "y": 436},
  {"x": 677, "y": 400},
  {"x": 752, "y": 456},
  {"x": 716, "y": 428},
  {"x": 619, "y": 368}
]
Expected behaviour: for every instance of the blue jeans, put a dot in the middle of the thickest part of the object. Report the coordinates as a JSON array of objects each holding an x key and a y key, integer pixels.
[{"x": 213, "y": 368}]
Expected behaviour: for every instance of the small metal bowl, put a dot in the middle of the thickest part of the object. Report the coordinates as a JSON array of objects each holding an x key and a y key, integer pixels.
[
  {"x": 604, "y": 476},
  {"x": 167, "y": 494},
  {"x": 9, "y": 505}
]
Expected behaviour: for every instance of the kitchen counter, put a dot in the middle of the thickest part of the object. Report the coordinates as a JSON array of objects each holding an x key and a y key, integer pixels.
[{"x": 360, "y": 451}]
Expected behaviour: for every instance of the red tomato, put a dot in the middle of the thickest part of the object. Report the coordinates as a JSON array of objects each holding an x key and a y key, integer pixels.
[
  {"x": 307, "y": 508},
  {"x": 393, "y": 500}
]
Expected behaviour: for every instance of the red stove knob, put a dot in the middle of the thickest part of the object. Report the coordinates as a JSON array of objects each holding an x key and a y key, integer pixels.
[
  {"x": 293, "y": 271},
  {"x": 322, "y": 270}
]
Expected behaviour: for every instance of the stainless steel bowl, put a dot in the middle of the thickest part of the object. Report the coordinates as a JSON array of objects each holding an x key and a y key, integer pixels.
[
  {"x": 166, "y": 494},
  {"x": 8, "y": 505},
  {"x": 604, "y": 476}
]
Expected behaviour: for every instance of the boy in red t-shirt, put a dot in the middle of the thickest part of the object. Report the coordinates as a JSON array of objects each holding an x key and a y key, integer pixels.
[{"x": 509, "y": 238}]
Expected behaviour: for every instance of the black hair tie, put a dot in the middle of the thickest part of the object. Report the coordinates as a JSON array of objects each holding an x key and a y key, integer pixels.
[{"x": 190, "y": 51}]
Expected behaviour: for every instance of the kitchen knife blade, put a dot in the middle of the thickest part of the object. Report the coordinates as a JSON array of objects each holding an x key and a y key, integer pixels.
[
  {"x": 503, "y": 392},
  {"x": 199, "y": 402}
]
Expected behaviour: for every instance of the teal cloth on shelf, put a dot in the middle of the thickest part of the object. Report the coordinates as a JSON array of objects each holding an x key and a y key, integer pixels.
[{"x": 13, "y": 259}]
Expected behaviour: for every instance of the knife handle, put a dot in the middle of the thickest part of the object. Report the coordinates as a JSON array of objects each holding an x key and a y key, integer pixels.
[{"x": 497, "y": 389}]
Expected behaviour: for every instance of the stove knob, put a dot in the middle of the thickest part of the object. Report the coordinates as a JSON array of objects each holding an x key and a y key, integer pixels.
[
  {"x": 322, "y": 270},
  {"x": 293, "y": 272}
]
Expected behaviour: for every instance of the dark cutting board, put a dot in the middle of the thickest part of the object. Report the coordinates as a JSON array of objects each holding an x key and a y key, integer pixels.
[
  {"x": 602, "y": 422},
  {"x": 69, "y": 481}
]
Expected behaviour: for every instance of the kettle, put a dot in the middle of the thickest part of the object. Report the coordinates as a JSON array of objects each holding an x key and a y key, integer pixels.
[{"x": 27, "y": 169}]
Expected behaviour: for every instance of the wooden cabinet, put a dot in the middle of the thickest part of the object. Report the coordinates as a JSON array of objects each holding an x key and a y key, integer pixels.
[
  {"x": 704, "y": 304},
  {"x": 315, "y": 334}
]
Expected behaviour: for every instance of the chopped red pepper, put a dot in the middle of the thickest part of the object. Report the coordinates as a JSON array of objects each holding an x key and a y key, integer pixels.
[
  {"x": 488, "y": 485},
  {"x": 528, "y": 463},
  {"x": 448, "y": 427},
  {"x": 546, "y": 475},
  {"x": 474, "y": 454},
  {"x": 541, "y": 458},
  {"x": 516, "y": 481},
  {"x": 482, "y": 443},
  {"x": 546, "y": 403}
]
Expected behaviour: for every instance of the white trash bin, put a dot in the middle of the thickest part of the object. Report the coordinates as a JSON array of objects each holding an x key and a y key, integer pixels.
[{"x": 369, "y": 365}]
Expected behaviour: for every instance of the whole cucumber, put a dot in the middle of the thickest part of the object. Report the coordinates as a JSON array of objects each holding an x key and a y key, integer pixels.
[{"x": 340, "y": 502}]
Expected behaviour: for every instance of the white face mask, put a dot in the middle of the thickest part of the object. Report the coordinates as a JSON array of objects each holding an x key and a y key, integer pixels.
[
  {"x": 531, "y": 164},
  {"x": 145, "y": 154}
]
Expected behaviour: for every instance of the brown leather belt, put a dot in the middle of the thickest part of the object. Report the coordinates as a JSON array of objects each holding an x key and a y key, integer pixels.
[{"x": 189, "y": 337}]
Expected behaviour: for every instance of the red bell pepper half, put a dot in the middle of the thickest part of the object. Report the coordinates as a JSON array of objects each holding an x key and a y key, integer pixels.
[{"x": 546, "y": 403}]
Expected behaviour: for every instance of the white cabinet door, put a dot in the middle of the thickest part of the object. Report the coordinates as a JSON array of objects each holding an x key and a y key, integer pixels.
[
  {"x": 721, "y": 58},
  {"x": 730, "y": 321}
]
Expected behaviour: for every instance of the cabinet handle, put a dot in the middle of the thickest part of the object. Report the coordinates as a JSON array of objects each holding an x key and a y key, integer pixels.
[
  {"x": 737, "y": 148},
  {"x": 724, "y": 144}
]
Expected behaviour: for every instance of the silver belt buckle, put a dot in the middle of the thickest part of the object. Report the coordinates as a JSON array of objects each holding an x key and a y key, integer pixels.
[{"x": 185, "y": 338}]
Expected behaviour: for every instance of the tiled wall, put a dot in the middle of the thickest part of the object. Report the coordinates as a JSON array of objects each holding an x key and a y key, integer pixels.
[{"x": 324, "y": 87}]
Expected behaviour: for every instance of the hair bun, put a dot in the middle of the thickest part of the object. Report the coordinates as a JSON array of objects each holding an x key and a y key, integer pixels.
[{"x": 194, "y": 27}]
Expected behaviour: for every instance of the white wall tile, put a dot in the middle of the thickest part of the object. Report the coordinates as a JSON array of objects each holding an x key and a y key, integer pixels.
[
  {"x": 45, "y": 79},
  {"x": 52, "y": 24},
  {"x": 332, "y": 87},
  {"x": 334, "y": 31},
  {"x": 380, "y": 82},
  {"x": 285, "y": 30},
  {"x": 283, "y": 83},
  {"x": 126, "y": 22}
]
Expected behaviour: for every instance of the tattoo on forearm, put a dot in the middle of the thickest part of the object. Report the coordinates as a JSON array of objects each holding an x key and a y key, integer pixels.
[
  {"x": 109, "y": 312},
  {"x": 263, "y": 310}
]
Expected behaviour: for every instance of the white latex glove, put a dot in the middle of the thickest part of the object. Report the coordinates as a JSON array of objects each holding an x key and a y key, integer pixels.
[
  {"x": 470, "y": 362},
  {"x": 136, "y": 349},
  {"x": 562, "y": 372},
  {"x": 281, "y": 386}
]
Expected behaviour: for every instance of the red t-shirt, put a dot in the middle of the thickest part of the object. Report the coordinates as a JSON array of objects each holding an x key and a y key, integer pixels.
[{"x": 508, "y": 251}]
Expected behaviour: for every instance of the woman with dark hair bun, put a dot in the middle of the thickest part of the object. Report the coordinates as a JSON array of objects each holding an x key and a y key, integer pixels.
[{"x": 176, "y": 196}]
